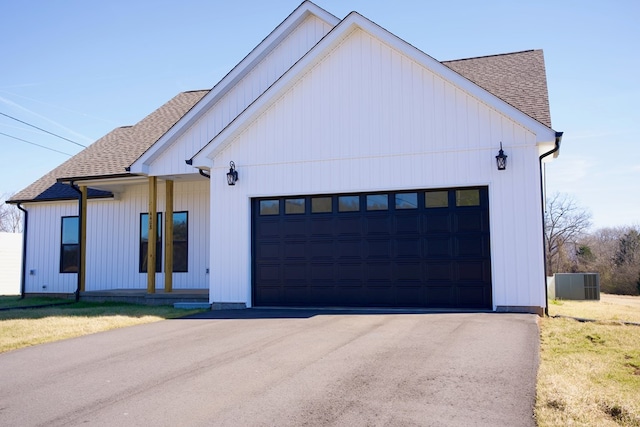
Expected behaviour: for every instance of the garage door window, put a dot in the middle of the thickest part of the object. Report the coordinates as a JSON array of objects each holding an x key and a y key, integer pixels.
[
  {"x": 436, "y": 199},
  {"x": 349, "y": 203},
  {"x": 407, "y": 201},
  {"x": 468, "y": 197},
  {"x": 269, "y": 207},
  {"x": 321, "y": 205},
  {"x": 294, "y": 206},
  {"x": 377, "y": 202}
]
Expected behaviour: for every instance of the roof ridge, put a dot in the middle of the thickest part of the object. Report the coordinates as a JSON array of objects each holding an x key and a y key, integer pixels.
[{"x": 491, "y": 56}]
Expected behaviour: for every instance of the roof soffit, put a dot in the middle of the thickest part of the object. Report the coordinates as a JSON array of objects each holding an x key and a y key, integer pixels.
[
  {"x": 236, "y": 74},
  {"x": 327, "y": 44}
]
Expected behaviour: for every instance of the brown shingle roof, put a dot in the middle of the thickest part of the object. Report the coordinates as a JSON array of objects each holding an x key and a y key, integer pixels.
[
  {"x": 517, "y": 78},
  {"x": 112, "y": 153}
]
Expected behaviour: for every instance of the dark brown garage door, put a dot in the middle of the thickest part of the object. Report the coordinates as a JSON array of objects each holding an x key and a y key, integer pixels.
[{"x": 423, "y": 248}]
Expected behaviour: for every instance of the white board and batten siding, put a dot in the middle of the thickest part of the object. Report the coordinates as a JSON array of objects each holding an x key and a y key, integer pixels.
[
  {"x": 113, "y": 240},
  {"x": 242, "y": 94},
  {"x": 10, "y": 263},
  {"x": 369, "y": 118}
]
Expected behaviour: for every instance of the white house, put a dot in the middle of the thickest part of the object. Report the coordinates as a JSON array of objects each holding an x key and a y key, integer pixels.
[
  {"x": 366, "y": 170},
  {"x": 10, "y": 261}
]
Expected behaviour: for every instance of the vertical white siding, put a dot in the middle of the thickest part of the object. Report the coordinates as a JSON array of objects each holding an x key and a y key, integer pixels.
[
  {"x": 272, "y": 67},
  {"x": 368, "y": 118},
  {"x": 10, "y": 263},
  {"x": 113, "y": 239}
]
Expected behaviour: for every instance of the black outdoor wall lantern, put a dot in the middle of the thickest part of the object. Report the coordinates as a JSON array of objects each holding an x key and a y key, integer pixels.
[
  {"x": 232, "y": 175},
  {"x": 501, "y": 159}
]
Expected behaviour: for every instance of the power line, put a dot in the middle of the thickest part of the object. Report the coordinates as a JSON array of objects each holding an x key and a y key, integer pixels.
[
  {"x": 46, "y": 131},
  {"x": 37, "y": 145}
]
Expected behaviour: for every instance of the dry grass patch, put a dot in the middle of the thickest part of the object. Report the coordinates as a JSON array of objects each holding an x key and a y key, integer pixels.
[
  {"x": 610, "y": 308},
  {"x": 589, "y": 371},
  {"x": 23, "y": 328}
]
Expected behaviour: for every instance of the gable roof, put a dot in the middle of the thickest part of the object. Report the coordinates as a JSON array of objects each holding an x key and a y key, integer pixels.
[
  {"x": 237, "y": 73},
  {"x": 340, "y": 32},
  {"x": 111, "y": 154},
  {"x": 518, "y": 78}
]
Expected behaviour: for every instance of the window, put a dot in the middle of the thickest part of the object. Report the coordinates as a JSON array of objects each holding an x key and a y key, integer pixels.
[
  {"x": 348, "y": 203},
  {"x": 321, "y": 205},
  {"x": 377, "y": 202},
  {"x": 180, "y": 242},
  {"x": 70, "y": 245},
  {"x": 406, "y": 200},
  {"x": 269, "y": 207},
  {"x": 144, "y": 242},
  {"x": 436, "y": 199},
  {"x": 294, "y": 206},
  {"x": 468, "y": 197}
]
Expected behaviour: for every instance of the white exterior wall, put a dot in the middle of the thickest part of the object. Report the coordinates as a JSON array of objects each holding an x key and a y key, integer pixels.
[
  {"x": 243, "y": 93},
  {"x": 369, "y": 118},
  {"x": 113, "y": 239},
  {"x": 10, "y": 263}
]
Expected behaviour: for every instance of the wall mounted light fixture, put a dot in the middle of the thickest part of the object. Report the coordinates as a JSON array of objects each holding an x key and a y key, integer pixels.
[
  {"x": 232, "y": 175},
  {"x": 501, "y": 159}
]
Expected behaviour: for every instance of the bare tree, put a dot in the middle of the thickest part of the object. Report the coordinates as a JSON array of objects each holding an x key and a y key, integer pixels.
[
  {"x": 565, "y": 222},
  {"x": 10, "y": 216}
]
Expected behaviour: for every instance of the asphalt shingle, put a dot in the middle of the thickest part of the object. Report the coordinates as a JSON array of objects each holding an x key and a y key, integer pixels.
[{"x": 517, "y": 78}]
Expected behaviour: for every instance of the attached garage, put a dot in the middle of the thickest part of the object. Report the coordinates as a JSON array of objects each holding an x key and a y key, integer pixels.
[{"x": 421, "y": 248}]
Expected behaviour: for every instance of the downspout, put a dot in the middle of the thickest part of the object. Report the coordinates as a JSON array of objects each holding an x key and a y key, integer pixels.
[
  {"x": 542, "y": 203},
  {"x": 202, "y": 172},
  {"x": 80, "y": 248},
  {"x": 23, "y": 278}
]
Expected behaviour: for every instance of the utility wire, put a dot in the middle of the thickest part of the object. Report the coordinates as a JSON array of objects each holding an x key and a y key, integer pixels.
[
  {"x": 37, "y": 145},
  {"x": 46, "y": 131}
]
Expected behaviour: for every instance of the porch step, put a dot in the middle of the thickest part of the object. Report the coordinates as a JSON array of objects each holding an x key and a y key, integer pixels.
[{"x": 192, "y": 305}]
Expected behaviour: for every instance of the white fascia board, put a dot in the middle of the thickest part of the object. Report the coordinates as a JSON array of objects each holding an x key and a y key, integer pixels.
[
  {"x": 238, "y": 72},
  {"x": 331, "y": 40}
]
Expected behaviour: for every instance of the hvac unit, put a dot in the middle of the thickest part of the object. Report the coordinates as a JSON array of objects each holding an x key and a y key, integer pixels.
[{"x": 577, "y": 286}]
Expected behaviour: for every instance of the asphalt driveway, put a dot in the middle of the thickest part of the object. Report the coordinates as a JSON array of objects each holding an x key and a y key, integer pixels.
[{"x": 291, "y": 368}]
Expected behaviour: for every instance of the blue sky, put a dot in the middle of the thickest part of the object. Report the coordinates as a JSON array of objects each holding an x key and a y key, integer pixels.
[{"x": 80, "y": 69}]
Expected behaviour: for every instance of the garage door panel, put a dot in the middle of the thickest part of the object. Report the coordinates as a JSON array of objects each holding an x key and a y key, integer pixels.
[
  {"x": 438, "y": 247},
  {"x": 378, "y": 224},
  {"x": 406, "y": 223},
  {"x": 420, "y": 248},
  {"x": 377, "y": 249},
  {"x": 269, "y": 228},
  {"x": 471, "y": 246},
  {"x": 439, "y": 271},
  {"x": 268, "y": 273},
  {"x": 408, "y": 271},
  {"x": 294, "y": 274},
  {"x": 471, "y": 296},
  {"x": 350, "y": 272},
  {"x": 440, "y": 296},
  {"x": 321, "y": 226},
  {"x": 437, "y": 221},
  {"x": 379, "y": 272},
  {"x": 296, "y": 226},
  {"x": 322, "y": 273},
  {"x": 295, "y": 250},
  {"x": 408, "y": 248},
  {"x": 348, "y": 225},
  {"x": 268, "y": 250},
  {"x": 347, "y": 249}
]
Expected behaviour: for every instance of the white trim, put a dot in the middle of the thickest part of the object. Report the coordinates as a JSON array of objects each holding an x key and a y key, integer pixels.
[
  {"x": 141, "y": 165},
  {"x": 316, "y": 54}
]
